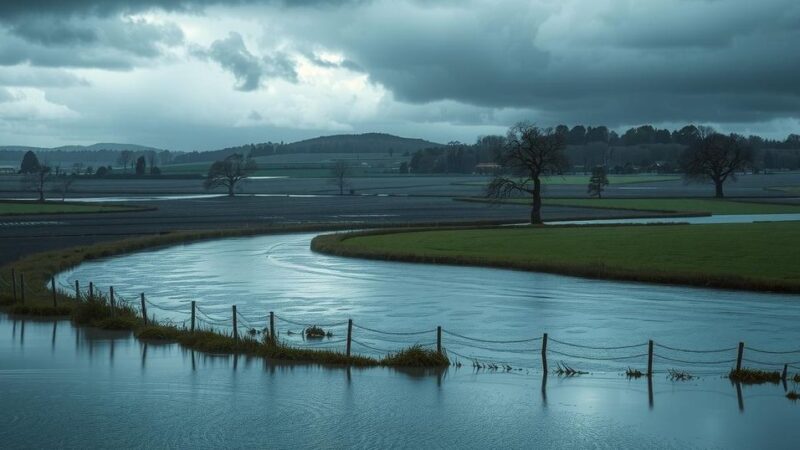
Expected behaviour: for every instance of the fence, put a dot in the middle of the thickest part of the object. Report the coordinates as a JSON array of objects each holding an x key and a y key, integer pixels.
[{"x": 353, "y": 338}]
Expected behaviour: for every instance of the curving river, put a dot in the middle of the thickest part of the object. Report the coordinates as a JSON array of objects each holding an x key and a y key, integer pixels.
[{"x": 280, "y": 273}]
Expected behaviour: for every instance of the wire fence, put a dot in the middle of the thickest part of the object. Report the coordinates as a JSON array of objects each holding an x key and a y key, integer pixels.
[{"x": 513, "y": 353}]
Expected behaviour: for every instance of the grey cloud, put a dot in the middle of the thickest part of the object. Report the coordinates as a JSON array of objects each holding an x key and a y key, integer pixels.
[
  {"x": 5, "y": 95},
  {"x": 232, "y": 54}
]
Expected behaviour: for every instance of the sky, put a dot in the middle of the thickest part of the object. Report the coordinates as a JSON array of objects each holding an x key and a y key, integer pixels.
[{"x": 205, "y": 74}]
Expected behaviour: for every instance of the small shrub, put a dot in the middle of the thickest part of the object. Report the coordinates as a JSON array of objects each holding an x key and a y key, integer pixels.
[
  {"x": 754, "y": 376},
  {"x": 417, "y": 356}
]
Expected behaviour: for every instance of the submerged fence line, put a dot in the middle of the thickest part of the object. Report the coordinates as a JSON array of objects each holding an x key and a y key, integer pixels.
[{"x": 517, "y": 353}]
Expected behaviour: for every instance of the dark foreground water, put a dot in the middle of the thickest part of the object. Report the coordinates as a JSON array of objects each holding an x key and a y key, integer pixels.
[{"x": 62, "y": 386}]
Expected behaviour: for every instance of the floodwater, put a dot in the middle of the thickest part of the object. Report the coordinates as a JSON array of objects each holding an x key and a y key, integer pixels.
[
  {"x": 476, "y": 307},
  {"x": 67, "y": 387}
]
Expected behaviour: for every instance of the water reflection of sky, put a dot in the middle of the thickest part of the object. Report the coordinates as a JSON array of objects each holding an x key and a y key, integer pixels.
[{"x": 68, "y": 387}]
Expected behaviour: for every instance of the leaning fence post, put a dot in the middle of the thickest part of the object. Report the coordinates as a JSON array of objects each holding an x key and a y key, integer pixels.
[
  {"x": 544, "y": 353},
  {"x": 235, "y": 327},
  {"x": 77, "y": 291},
  {"x": 650, "y": 358},
  {"x": 22, "y": 286},
  {"x": 53, "y": 288},
  {"x": 785, "y": 372},
  {"x": 739, "y": 356},
  {"x": 272, "y": 325},
  {"x": 91, "y": 291},
  {"x": 193, "y": 316},
  {"x": 144, "y": 309},
  {"x": 14, "y": 284},
  {"x": 349, "y": 335},
  {"x": 439, "y": 340}
]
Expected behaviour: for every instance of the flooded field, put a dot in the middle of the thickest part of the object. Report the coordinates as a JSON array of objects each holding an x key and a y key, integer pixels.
[{"x": 65, "y": 387}]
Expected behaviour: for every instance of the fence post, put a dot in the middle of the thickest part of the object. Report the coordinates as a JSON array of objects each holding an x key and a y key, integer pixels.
[
  {"x": 650, "y": 358},
  {"x": 111, "y": 301},
  {"x": 144, "y": 309},
  {"x": 91, "y": 291},
  {"x": 739, "y": 356},
  {"x": 14, "y": 284},
  {"x": 785, "y": 372},
  {"x": 544, "y": 353},
  {"x": 77, "y": 291},
  {"x": 53, "y": 288},
  {"x": 235, "y": 327},
  {"x": 439, "y": 340},
  {"x": 349, "y": 335},
  {"x": 22, "y": 286},
  {"x": 193, "y": 306},
  {"x": 272, "y": 325}
]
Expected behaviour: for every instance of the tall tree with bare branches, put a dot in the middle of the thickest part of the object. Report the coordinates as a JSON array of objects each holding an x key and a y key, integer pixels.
[
  {"x": 340, "y": 174},
  {"x": 529, "y": 153},
  {"x": 229, "y": 172},
  {"x": 716, "y": 156}
]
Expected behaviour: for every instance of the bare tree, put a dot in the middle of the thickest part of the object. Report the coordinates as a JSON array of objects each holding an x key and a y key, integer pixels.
[
  {"x": 64, "y": 182},
  {"x": 716, "y": 156},
  {"x": 37, "y": 180},
  {"x": 340, "y": 174},
  {"x": 229, "y": 172},
  {"x": 529, "y": 153},
  {"x": 125, "y": 158}
]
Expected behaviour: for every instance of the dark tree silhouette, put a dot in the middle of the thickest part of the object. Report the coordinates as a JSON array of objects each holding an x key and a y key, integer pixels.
[
  {"x": 125, "y": 157},
  {"x": 141, "y": 166},
  {"x": 529, "y": 153},
  {"x": 30, "y": 163},
  {"x": 597, "y": 182},
  {"x": 340, "y": 175},
  {"x": 37, "y": 180},
  {"x": 716, "y": 156},
  {"x": 229, "y": 172}
]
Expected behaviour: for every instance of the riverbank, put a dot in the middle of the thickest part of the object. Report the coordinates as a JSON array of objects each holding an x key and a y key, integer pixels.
[
  {"x": 757, "y": 257},
  {"x": 29, "y": 208}
]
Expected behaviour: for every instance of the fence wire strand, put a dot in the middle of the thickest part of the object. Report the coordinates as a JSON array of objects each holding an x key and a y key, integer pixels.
[{"x": 489, "y": 341}]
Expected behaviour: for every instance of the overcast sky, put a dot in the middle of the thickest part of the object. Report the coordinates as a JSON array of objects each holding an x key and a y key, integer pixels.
[{"x": 206, "y": 74}]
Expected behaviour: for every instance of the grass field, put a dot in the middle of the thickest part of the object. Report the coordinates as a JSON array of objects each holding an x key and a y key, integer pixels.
[
  {"x": 786, "y": 189},
  {"x": 712, "y": 206},
  {"x": 758, "y": 256},
  {"x": 31, "y": 208},
  {"x": 584, "y": 179}
]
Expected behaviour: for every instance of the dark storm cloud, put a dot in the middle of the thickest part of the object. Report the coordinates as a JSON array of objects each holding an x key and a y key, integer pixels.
[{"x": 232, "y": 54}]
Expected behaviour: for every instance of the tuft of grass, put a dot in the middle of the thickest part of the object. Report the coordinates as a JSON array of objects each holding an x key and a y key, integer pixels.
[
  {"x": 633, "y": 373},
  {"x": 416, "y": 356},
  {"x": 796, "y": 378},
  {"x": 39, "y": 309},
  {"x": 158, "y": 332},
  {"x": 315, "y": 332},
  {"x": 679, "y": 375},
  {"x": 754, "y": 376},
  {"x": 793, "y": 396},
  {"x": 117, "y": 323}
]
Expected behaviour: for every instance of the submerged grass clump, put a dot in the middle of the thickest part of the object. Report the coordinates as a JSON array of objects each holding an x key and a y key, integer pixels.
[
  {"x": 563, "y": 370},
  {"x": 633, "y": 373},
  {"x": 754, "y": 376},
  {"x": 679, "y": 375},
  {"x": 315, "y": 332},
  {"x": 416, "y": 356},
  {"x": 793, "y": 396},
  {"x": 796, "y": 378}
]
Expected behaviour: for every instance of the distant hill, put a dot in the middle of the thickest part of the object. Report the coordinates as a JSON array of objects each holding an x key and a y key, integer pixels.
[
  {"x": 342, "y": 143},
  {"x": 95, "y": 154}
]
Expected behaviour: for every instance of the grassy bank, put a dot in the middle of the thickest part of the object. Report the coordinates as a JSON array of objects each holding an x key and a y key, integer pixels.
[
  {"x": 583, "y": 180},
  {"x": 19, "y": 208},
  {"x": 671, "y": 205},
  {"x": 760, "y": 257}
]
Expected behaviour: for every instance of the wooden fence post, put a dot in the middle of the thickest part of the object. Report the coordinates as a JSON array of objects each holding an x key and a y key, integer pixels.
[
  {"x": 77, "y": 291},
  {"x": 272, "y": 326},
  {"x": 53, "y": 288},
  {"x": 193, "y": 316},
  {"x": 544, "y": 353},
  {"x": 439, "y": 340},
  {"x": 785, "y": 372},
  {"x": 349, "y": 335},
  {"x": 650, "y": 358},
  {"x": 14, "y": 284},
  {"x": 111, "y": 301},
  {"x": 22, "y": 286},
  {"x": 235, "y": 327},
  {"x": 91, "y": 291},
  {"x": 739, "y": 356},
  {"x": 144, "y": 309}
]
